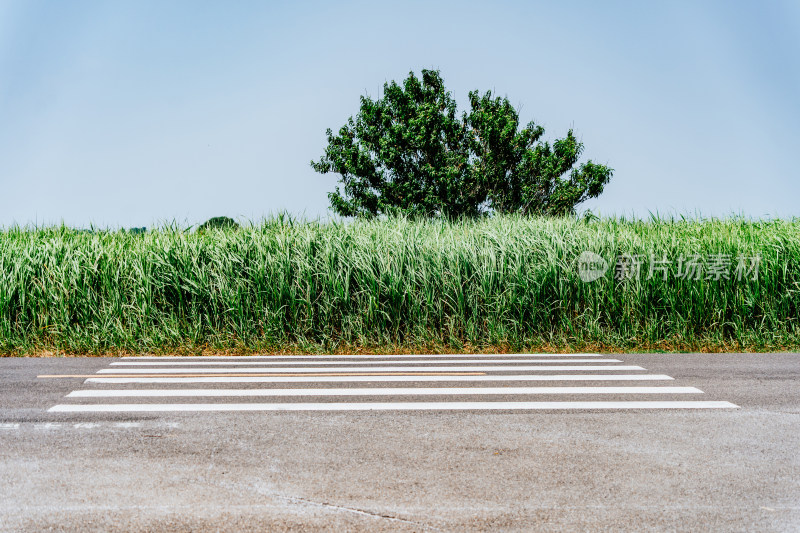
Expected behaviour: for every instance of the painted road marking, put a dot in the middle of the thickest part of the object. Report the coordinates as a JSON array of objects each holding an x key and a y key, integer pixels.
[
  {"x": 374, "y": 378},
  {"x": 409, "y": 391},
  {"x": 368, "y": 369},
  {"x": 410, "y": 356},
  {"x": 156, "y": 424},
  {"x": 123, "y": 374},
  {"x": 390, "y": 406},
  {"x": 592, "y": 376},
  {"x": 339, "y": 363}
]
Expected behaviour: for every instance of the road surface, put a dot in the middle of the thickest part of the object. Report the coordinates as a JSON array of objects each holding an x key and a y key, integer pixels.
[{"x": 686, "y": 442}]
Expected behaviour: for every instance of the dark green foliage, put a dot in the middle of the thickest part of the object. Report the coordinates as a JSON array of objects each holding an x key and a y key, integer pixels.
[
  {"x": 522, "y": 174},
  {"x": 218, "y": 223},
  {"x": 406, "y": 151},
  {"x": 409, "y": 152}
]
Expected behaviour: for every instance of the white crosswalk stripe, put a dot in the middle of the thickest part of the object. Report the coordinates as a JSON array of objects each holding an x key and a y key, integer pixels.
[
  {"x": 339, "y": 363},
  {"x": 395, "y": 391},
  {"x": 291, "y": 370},
  {"x": 293, "y": 358},
  {"x": 469, "y": 383},
  {"x": 385, "y": 406},
  {"x": 378, "y": 378}
]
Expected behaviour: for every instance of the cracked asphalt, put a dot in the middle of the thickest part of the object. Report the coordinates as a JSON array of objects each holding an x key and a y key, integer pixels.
[{"x": 709, "y": 470}]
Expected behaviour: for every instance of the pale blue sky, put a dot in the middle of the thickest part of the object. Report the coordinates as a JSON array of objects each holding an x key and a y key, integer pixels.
[{"x": 126, "y": 113}]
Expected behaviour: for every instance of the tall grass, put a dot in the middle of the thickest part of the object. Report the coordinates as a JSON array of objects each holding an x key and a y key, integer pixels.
[{"x": 500, "y": 282}]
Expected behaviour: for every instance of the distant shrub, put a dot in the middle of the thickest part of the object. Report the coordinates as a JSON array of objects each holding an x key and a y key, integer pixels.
[{"x": 218, "y": 223}]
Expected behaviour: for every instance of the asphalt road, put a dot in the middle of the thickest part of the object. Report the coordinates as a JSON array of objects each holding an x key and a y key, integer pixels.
[{"x": 534, "y": 465}]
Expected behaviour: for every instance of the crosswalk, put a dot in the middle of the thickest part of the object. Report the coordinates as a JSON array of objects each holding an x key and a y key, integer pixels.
[{"x": 516, "y": 382}]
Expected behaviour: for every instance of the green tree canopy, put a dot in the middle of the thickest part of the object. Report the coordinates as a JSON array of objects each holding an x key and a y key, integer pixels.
[
  {"x": 410, "y": 151},
  {"x": 218, "y": 223}
]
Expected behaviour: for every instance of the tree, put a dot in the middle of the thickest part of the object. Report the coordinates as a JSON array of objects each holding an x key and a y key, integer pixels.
[
  {"x": 521, "y": 173},
  {"x": 218, "y": 223},
  {"x": 406, "y": 151},
  {"x": 409, "y": 151}
]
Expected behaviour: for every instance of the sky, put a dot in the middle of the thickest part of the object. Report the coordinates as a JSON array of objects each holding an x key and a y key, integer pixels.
[{"x": 135, "y": 113}]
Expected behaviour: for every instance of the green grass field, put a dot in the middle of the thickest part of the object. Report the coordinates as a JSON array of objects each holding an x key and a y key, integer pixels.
[{"x": 491, "y": 285}]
